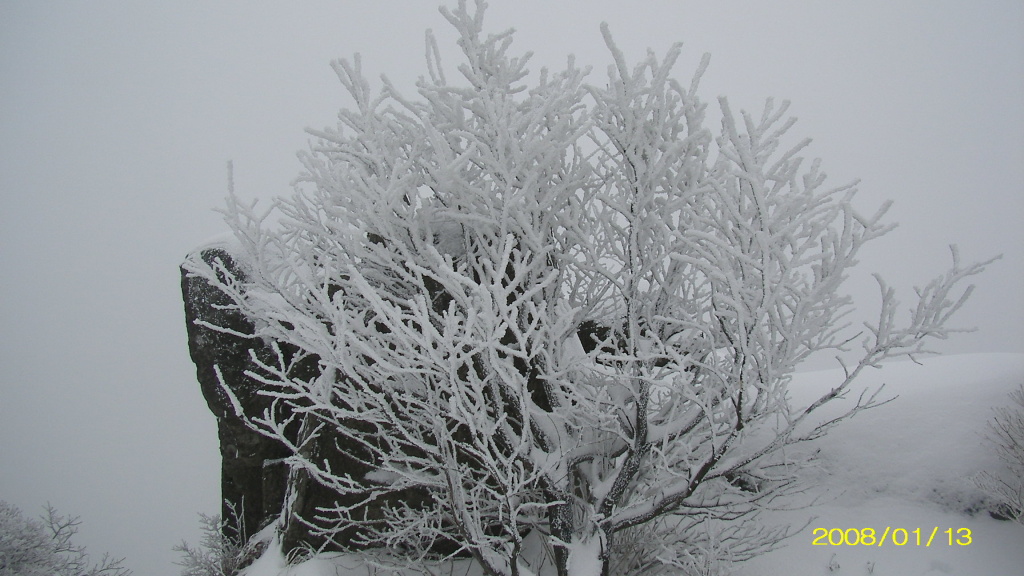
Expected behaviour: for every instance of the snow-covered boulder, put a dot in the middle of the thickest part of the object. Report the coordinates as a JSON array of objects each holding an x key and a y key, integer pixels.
[
  {"x": 252, "y": 473},
  {"x": 254, "y": 469}
]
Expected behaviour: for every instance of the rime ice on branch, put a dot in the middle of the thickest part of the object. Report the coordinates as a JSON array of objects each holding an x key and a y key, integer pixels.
[{"x": 555, "y": 308}]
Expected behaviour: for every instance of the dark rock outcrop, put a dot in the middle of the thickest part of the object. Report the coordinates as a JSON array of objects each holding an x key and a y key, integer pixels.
[
  {"x": 255, "y": 477},
  {"x": 253, "y": 474}
]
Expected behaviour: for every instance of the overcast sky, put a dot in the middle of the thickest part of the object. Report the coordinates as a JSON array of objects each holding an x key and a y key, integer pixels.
[{"x": 117, "y": 120}]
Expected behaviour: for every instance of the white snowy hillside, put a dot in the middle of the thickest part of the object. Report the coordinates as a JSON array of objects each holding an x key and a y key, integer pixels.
[
  {"x": 908, "y": 465},
  {"x": 905, "y": 466}
]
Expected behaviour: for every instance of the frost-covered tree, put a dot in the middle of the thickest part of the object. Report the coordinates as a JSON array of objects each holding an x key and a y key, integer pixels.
[
  {"x": 558, "y": 308},
  {"x": 44, "y": 547}
]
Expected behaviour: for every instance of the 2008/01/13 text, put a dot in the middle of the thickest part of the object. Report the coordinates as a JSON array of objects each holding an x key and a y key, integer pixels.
[{"x": 891, "y": 536}]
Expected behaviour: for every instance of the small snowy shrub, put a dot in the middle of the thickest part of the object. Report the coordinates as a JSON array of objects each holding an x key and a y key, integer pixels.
[
  {"x": 216, "y": 555},
  {"x": 441, "y": 257},
  {"x": 44, "y": 547},
  {"x": 1007, "y": 437},
  {"x": 220, "y": 551}
]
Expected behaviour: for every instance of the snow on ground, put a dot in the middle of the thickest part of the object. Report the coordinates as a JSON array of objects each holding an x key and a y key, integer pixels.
[
  {"x": 905, "y": 466},
  {"x": 908, "y": 464}
]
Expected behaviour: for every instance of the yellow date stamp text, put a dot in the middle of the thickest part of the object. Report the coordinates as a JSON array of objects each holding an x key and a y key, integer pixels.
[{"x": 891, "y": 537}]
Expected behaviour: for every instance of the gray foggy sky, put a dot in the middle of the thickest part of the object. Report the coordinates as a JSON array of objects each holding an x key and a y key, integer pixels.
[{"x": 117, "y": 120}]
